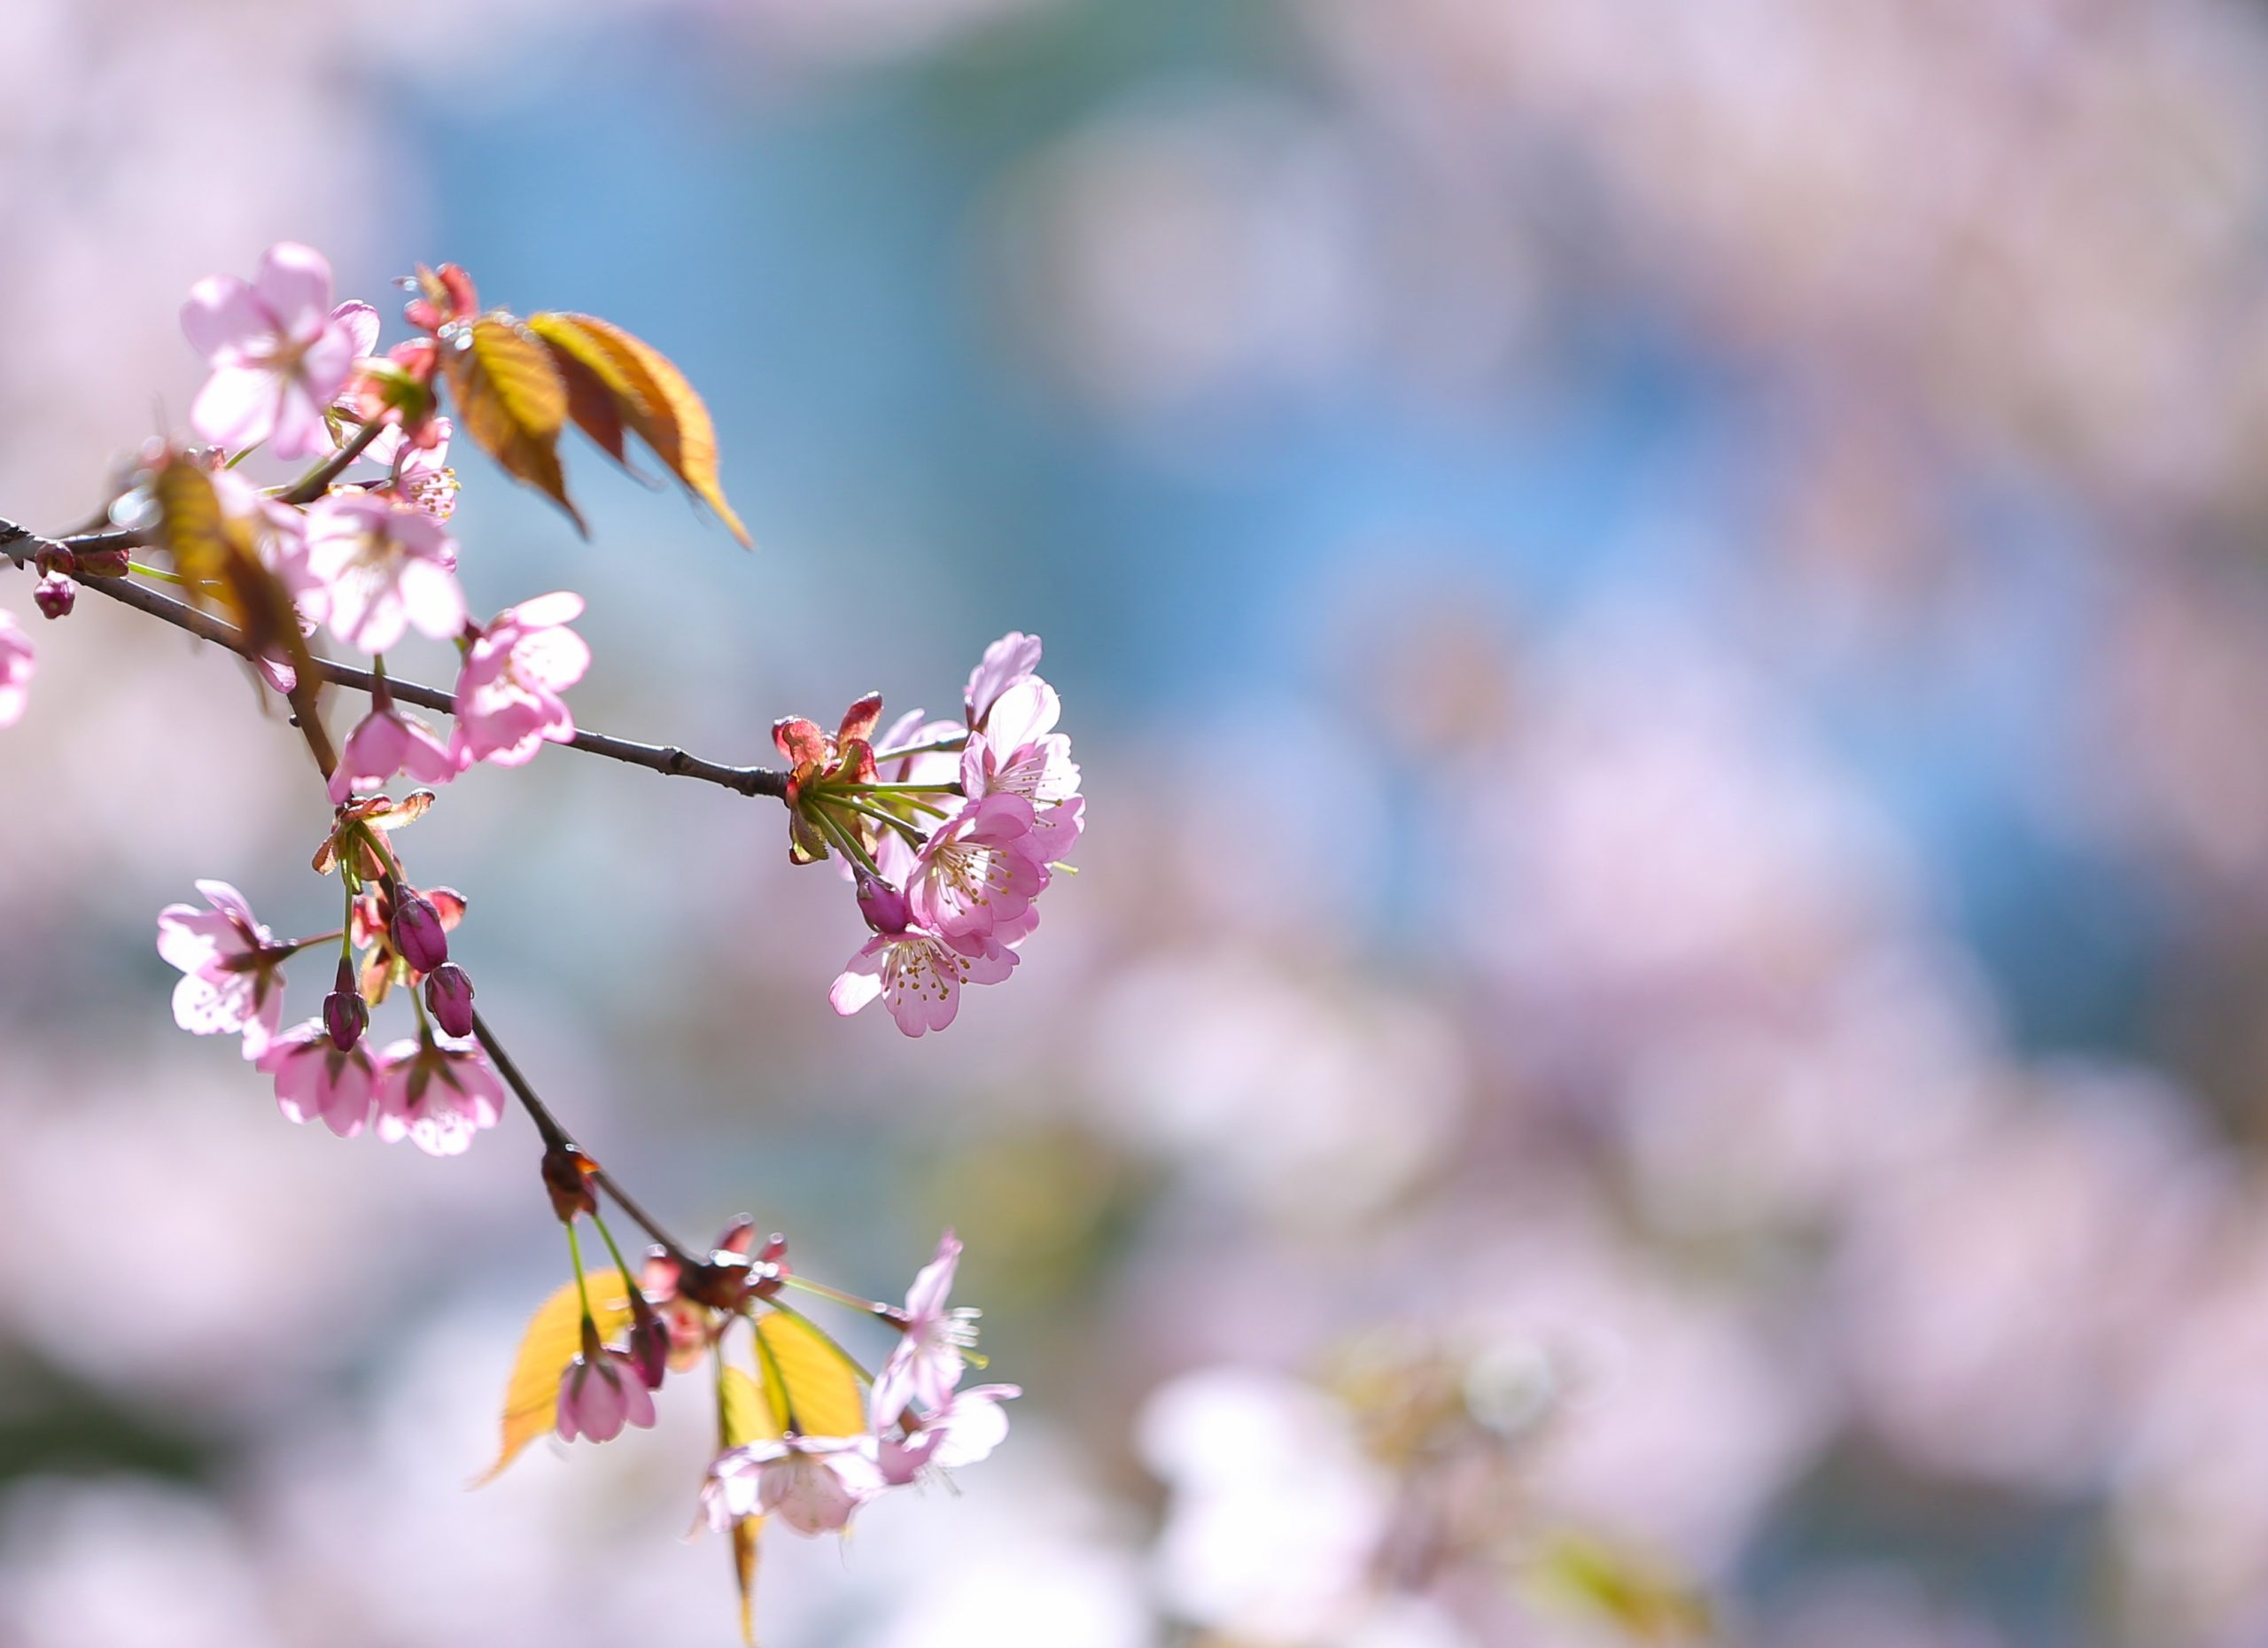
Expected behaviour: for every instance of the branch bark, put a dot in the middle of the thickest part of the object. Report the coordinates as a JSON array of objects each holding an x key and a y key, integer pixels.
[{"x": 23, "y": 547}]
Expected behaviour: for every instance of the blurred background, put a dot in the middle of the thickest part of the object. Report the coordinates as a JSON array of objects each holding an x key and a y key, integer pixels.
[{"x": 1662, "y": 610}]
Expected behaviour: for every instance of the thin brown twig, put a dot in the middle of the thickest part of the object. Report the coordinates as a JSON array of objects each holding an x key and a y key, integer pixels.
[
  {"x": 756, "y": 781},
  {"x": 310, "y": 486},
  {"x": 24, "y": 547},
  {"x": 555, "y": 1134}
]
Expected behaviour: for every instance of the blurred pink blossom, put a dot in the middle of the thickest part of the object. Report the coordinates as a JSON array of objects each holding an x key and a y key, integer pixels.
[
  {"x": 314, "y": 1079},
  {"x": 811, "y": 1483},
  {"x": 385, "y": 570},
  {"x": 1008, "y": 661},
  {"x": 436, "y": 1096},
  {"x": 230, "y": 964},
  {"x": 280, "y": 352},
  {"x": 964, "y": 1430},
  {"x": 598, "y": 1398},
  {"x": 508, "y": 686},
  {"x": 17, "y": 661},
  {"x": 386, "y": 742},
  {"x": 925, "y": 1364}
]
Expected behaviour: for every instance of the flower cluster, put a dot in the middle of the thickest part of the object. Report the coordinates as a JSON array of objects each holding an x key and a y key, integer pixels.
[
  {"x": 372, "y": 559},
  {"x": 434, "y": 1089},
  {"x": 951, "y": 831},
  {"x": 917, "y": 1422}
]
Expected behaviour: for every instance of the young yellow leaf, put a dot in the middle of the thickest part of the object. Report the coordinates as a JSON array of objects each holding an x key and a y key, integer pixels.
[
  {"x": 743, "y": 1415},
  {"x": 218, "y": 554},
  {"x": 624, "y": 380},
  {"x": 511, "y": 400},
  {"x": 554, "y": 1338},
  {"x": 812, "y": 1385}
]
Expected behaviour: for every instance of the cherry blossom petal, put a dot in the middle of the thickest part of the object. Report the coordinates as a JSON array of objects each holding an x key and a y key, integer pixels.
[
  {"x": 223, "y": 320},
  {"x": 358, "y": 323},
  {"x": 432, "y": 598},
  {"x": 237, "y": 408},
  {"x": 294, "y": 286}
]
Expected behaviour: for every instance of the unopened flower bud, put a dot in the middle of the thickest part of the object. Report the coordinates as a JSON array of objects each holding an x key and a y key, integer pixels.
[
  {"x": 650, "y": 1341},
  {"x": 448, "y": 996},
  {"x": 55, "y": 595},
  {"x": 104, "y": 563},
  {"x": 599, "y": 1394},
  {"x": 417, "y": 933},
  {"x": 567, "y": 1175},
  {"x": 882, "y": 904},
  {"x": 345, "y": 1016}
]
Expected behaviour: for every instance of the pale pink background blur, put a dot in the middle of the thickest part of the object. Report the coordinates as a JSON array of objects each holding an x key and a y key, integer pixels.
[{"x": 1661, "y": 606}]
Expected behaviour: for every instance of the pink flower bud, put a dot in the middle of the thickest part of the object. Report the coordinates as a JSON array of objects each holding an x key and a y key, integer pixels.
[
  {"x": 345, "y": 1015},
  {"x": 449, "y": 995},
  {"x": 882, "y": 904},
  {"x": 418, "y": 932},
  {"x": 599, "y": 1395},
  {"x": 650, "y": 1341},
  {"x": 55, "y": 595}
]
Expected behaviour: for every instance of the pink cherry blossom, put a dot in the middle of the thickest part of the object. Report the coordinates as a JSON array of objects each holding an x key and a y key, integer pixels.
[
  {"x": 361, "y": 323},
  {"x": 1019, "y": 752},
  {"x": 925, "y": 1364},
  {"x": 314, "y": 1079},
  {"x": 436, "y": 1095},
  {"x": 386, "y": 742},
  {"x": 509, "y": 686},
  {"x": 1007, "y": 661},
  {"x": 980, "y": 867},
  {"x": 919, "y": 975},
  {"x": 232, "y": 981},
  {"x": 597, "y": 1398},
  {"x": 280, "y": 352},
  {"x": 390, "y": 446},
  {"x": 385, "y": 570},
  {"x": 422, "y": 476},
  {"x": 811, "y": 1483},
  {"x": 964, "y": 1431},
  {"x": 18, "y": 660}
]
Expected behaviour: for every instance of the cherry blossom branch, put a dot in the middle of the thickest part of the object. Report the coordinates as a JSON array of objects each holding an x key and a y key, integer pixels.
[
  {"x": 23, "y": 547},
  {"x": 555, "y": 1136},
  {"x": 552, "y": 1131},
  {"x": 671, "y": 761},
  {"x": 317, "y": 480}
]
